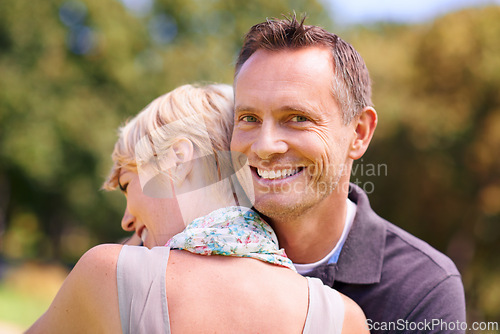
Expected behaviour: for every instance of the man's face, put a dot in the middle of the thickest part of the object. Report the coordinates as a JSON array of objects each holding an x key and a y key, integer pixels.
[{"x": 290, "y": 127}]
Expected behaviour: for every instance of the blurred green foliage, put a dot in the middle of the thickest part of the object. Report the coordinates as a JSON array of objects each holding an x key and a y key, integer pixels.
[
  {"x": 437, "y": 92},
  {"x": 72, "y": 71}
]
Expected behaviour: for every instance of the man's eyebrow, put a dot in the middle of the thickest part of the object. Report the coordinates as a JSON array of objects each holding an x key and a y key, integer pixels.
[
  {"x": 297, "y": 108},
  {"x": 243, "y": 108},
  {"x": 301, "y": 109}
]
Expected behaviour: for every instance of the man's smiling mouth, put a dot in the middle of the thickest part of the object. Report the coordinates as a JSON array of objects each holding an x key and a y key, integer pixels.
[{"x": 277, "y": 174}]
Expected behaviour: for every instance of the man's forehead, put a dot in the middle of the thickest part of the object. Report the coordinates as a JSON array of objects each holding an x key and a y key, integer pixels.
[
  {"x": 274, "y": 78},
  {"x": 293, "y": 67},
  {"x": 287, "y": 56}
]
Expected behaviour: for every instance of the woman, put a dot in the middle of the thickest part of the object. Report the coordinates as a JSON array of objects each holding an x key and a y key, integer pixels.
[{"x": 171, "y": 168}]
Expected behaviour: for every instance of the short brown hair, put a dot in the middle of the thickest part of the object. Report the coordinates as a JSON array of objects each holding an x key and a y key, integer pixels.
[{"x": 351, "y": 83}]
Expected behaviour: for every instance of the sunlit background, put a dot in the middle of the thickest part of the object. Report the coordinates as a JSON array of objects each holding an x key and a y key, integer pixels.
[{"x": 72, "y": 71}]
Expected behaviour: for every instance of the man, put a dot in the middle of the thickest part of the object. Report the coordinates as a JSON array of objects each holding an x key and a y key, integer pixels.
[{"x": 303, "y": 113}]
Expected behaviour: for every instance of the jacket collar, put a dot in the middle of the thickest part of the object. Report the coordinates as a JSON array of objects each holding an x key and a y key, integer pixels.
[{"x": 362, "y": 255}]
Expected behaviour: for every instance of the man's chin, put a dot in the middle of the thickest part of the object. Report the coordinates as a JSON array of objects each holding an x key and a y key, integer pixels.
[
  {"x": 288, "y": 205},
  {"x": 275, "y": 209}
]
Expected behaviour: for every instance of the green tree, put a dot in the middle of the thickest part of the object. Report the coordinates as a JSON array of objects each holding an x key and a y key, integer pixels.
[{"x": 436, "y": 88}]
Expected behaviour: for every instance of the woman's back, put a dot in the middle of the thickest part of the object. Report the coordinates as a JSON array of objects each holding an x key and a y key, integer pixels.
[
  {"x": 204, "y": 294},
  {"x": 224, "y": 294},
  {"x": 228, "y": 294}
]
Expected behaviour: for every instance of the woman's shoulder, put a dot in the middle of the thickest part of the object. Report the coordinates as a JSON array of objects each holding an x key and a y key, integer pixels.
[
  {"x": 94, "y": 279},
  {"x": 95, "y": 272},
  {"x": 103, "y": 254},
  {"x": 354, "y": 318},
  {"x": 332, "y": 312},
  {"x": 98, "y": 262}
]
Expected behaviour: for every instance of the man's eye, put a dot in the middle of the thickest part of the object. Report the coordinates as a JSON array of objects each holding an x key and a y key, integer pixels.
[
  {"x": 250, "y": 119},
  {"x": 299, "y": 119}
]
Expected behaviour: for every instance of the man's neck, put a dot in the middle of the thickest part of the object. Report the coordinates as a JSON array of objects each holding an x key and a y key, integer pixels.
[{"x": 311, "y": 236}]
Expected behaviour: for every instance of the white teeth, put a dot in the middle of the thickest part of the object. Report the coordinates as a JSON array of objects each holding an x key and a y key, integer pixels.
[
  {"x": 144, "y": 235},
  {"x": 276, "y": 174}
]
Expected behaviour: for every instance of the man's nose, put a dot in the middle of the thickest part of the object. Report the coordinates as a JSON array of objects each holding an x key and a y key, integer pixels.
[
  {"x": 128, "y": 221},
  {"x": 269, "y": 142}
]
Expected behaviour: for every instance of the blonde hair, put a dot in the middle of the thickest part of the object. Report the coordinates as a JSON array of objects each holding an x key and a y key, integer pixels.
[{"x": 170, "y": 116}]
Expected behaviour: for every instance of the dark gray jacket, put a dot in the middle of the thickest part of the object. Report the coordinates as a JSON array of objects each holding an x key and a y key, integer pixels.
[{"x": 402, "y": 284}]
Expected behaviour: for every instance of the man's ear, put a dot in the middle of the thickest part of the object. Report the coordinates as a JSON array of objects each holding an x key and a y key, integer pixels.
[
  {"x": 364, "y": 127},
  {"x": 183, "y": 154}
]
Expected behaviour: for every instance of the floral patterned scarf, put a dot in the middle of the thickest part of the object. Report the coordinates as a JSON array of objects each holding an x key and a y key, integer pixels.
[{"x": 232, "y": 231}]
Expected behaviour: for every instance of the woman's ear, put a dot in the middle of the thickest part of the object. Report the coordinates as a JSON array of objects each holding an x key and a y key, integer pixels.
[
  {"x": 364, "y": 127},
  {"x": 182, "y": 151}
]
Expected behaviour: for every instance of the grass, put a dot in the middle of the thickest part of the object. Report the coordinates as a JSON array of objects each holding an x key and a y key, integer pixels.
[
  {"x": 19, "y": 308},
  {"x": 27, "y": 290}
]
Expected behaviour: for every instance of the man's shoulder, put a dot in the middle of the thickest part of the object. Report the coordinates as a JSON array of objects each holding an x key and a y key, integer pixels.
[
  {"x": 406, "y": 250},
  {"x": 428, "y": 284},
  {"x": 391, "y": 247},
  {"x": 394, "y": 275}
]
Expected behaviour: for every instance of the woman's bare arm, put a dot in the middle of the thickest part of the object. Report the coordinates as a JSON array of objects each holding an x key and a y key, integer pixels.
[
  {"x": 354, "y": 318},
  {"x": 88, "y": 300}
]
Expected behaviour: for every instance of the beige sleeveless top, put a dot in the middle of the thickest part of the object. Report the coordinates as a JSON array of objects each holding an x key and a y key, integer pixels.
[{"x": 143, "y": 302}]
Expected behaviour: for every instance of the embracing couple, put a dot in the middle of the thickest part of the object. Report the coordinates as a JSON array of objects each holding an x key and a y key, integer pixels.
[{"x": 257, "y": 178}]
